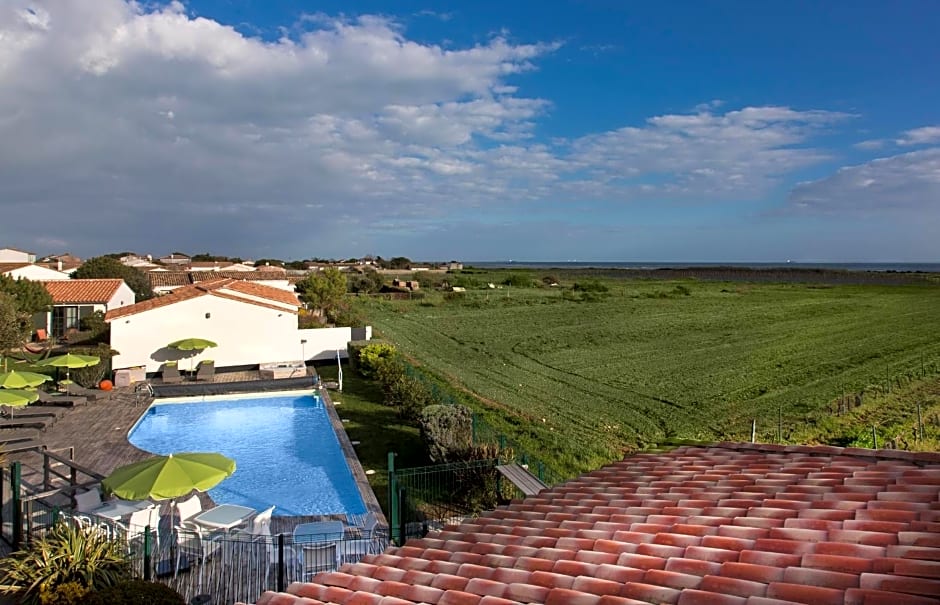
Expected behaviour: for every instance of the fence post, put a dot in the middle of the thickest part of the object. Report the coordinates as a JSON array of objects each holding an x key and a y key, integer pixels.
[
  {"x": 394, "y": 510},
  {"x": 473, "y": 428},
  {"x": 874, "y": 438},
  {"x": 502, "y": 442},
  {"x": 541, "y": 471},
  {"x": 754, "y": 430},
  {"x": 16, "y": 473},
  {"x": 280, "y": 563},
  {"x": 147, "y": 547}
]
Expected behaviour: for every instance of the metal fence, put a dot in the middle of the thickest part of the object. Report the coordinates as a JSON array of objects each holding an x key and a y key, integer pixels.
[{"x": 220, "y": 567}]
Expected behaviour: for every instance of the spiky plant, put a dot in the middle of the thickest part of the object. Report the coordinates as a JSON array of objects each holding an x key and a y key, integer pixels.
[{"x": 67, "y": 554}]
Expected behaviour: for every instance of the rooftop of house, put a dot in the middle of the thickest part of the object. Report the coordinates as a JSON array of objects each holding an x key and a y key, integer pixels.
[
  {"x": 731, "y": 524},
  {"x": 7, "y": 267},
  {"x": 228, "y": 288},
  {"x": 82, "y": 291}
]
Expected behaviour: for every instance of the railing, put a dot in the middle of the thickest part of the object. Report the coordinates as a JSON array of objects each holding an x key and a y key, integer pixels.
[{"x": 225, "y": 566}]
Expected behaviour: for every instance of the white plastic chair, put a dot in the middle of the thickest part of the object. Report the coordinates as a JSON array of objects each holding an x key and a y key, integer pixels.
[
  {"x": 88, "y": 501},
  {"x": 187, "y": 509},
  {"x": 317, "y": 558},
  {"x": 192, "y": 544}
]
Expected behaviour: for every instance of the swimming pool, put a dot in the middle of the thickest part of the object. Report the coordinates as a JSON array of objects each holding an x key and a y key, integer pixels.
[{"x": 285, "y": 450}]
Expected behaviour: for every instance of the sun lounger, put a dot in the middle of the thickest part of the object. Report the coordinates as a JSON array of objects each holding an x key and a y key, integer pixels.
[
  {"x": 75, "y": 390},
  {"x": 170, "y": 374},
  {"x": 28, "y": 423},
  {"x": 206, "y": 371},
  {"x": 65, "y": 401},
  {"x": 22, "y": 446},
  {"x": 31, "y": 413}
]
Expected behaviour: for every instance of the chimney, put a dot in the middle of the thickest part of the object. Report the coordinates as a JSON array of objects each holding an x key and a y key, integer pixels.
[{"x": 58, "y": 264}]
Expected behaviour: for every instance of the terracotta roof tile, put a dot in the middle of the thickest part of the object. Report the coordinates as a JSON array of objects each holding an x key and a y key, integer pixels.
[
  {"x": 82, "y": 291},
  {"x": 733, "y": 524},
  {"x": 220, "y": 288}
]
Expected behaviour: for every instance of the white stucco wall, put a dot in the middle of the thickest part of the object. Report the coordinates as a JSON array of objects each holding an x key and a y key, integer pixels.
[
  {"x": 246, "y": 334},
  {"x": 37, "y": 273},
  {"x": 123, "y": 297},
  {"x": 11, "y": 255},
  {"x": 323, "y": 343}
]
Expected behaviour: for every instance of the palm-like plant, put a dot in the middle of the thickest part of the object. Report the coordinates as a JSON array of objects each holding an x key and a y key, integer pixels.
[{"x": 67, "y": 554}]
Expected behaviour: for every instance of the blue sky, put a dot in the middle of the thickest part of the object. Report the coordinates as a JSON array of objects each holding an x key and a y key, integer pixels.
[{"x": 591, "y": 130}]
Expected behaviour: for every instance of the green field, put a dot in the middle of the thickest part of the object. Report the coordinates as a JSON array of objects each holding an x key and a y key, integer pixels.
[{"x": 577, "y": 382}]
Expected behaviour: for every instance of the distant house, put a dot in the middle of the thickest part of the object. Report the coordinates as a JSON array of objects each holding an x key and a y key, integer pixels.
[
  {"x": 12, "y": 255},
  {"x": 31, "y": 271},
  {"x": 164, "y": 282},
  {"x": 454, "y": 266},
  {"x": 251, "y": 323},
  {"x": 409, "y": 284},
  {"x": 75, "y": 299},
  {"x": 175, "y": 259},
  {"x": 64, "y": 263}
]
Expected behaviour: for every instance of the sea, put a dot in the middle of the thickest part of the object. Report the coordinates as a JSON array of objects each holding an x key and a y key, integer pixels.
[{"x": 923, "y": 267}]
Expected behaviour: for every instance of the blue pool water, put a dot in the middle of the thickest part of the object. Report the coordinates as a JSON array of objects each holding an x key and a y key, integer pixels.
[{"x": 285, "y": 450}]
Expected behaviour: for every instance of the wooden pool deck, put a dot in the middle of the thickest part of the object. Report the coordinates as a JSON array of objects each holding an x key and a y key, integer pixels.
[{"x": 96, "y": 437}]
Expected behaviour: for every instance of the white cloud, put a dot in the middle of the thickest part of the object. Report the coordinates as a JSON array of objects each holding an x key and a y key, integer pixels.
[
  {"x": 920, "y": 136},
  {"x": 132, "y": 127},
  {"x": 902, "y": 184},
  {"x": 870, "y": 144}
]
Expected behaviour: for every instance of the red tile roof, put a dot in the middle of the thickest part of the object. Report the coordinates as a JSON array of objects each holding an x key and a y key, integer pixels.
[
  {"x": 7, "y": 267},
  {"x": 735, "y": 524},
  {"x": 265, "y": 274},
  {"x": 82, "y": 291},
  {"x": 219, "y": 288}
]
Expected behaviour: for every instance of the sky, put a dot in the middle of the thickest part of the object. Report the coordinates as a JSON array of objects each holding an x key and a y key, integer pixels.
[{"x": 588, "y": 130}]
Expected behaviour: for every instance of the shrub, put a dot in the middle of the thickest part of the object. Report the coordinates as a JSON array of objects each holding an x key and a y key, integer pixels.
[
  {"x": 134, "y": 592},
  {"x": 518, "y": 280},
  {"x": 592, "y": 285},
  {"x": 92, "y": 375},
  {"x": 447, "y": 431},
  {"x": 372, "y": 356},
  {"x": 70, "y": 593},
  {"x": 66, "y": 555}
]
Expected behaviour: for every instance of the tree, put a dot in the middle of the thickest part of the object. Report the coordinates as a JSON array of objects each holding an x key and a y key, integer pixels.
[
  {"x": 15, "y": 327},
  {"x": 447, "y": 431},
  {"x": 30, "y": 297},
  {"x": 367, "y": 282},
  {"x": 323, "y": 291},
  {"x": 399, "y": 262},
  {"x": 103, "y": 267}
]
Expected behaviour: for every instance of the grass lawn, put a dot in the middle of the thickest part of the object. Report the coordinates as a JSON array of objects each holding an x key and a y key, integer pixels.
[
  {"x": 576, "y": 382},
  {"x": 376, "y": 427}
]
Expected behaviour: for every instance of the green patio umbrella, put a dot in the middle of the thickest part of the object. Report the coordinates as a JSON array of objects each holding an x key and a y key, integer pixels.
[
  {"x": 70, "y": 362},
  {"x": 192, "y": 344},
  {"x": 16, "y": 398},
  {"x": 166, "y": 477},
  {"x": 22, "y": 380}
]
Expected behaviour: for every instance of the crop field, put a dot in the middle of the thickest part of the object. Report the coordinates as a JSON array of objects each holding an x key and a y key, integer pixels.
[{"x": 578, "y": 381}]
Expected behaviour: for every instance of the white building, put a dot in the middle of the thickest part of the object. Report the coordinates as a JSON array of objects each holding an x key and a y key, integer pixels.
[
  {"x": 75, "y": 299},
  {"x": 251, "y": 323},
  {"x": 12, "y": 255},
  {"x": 31, "y": 272}
]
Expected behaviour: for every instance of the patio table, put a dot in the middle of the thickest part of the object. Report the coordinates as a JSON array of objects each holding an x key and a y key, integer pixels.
[
  {"x": 116, "y": 509},
  {"x": 224, "y": 516},
  {"x": 318, "y": 531}
]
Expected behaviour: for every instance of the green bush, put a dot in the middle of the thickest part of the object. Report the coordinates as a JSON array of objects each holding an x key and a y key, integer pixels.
[
  {"x": 447, "y": 431},
  {"x": 134, "y": 592},
  {"x": 67, "y": 554},
  {"x": 90, "y": 377},
  {"x": 518, "y": 279},
  {"x": 70, "y": 593},
  {"x": 591, "y": 285},
  {"x": 371, "y": 358}
]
